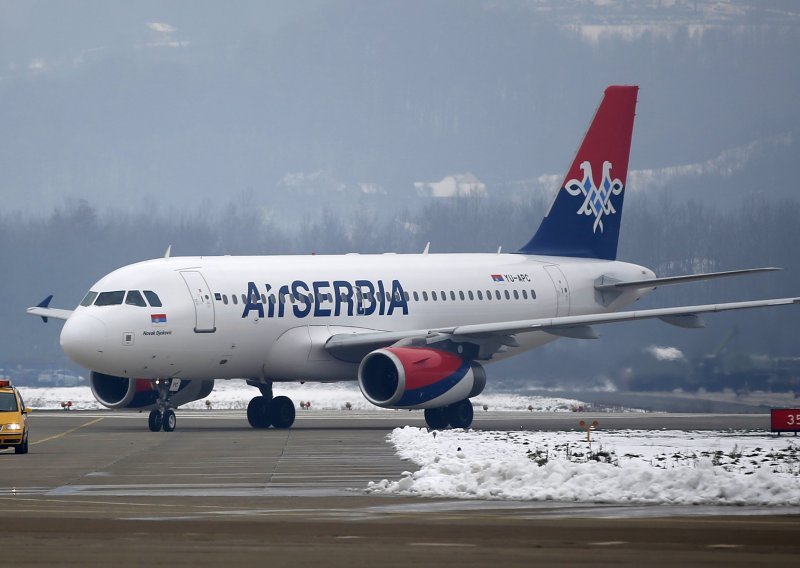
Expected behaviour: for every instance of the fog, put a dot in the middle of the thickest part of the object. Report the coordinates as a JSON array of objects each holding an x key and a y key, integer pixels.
[{"x": 330, "y": 127}]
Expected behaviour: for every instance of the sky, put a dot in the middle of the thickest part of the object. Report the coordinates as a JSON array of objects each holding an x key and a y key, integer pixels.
[{"x": 186, "y": 105}]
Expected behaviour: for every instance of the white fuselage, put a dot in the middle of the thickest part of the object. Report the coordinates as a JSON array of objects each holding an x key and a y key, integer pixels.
[{"x": 240, "y": 317}]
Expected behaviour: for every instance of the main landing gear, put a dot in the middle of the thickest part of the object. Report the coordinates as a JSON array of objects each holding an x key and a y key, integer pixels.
[
  {"x": 457, "y": 415},
  {"x": 163, "y": 417},
  {"x": 265, "y": 410}
]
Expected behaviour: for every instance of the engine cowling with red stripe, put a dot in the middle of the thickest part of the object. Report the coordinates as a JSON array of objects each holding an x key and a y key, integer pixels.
[
  {"x": 141, "y": 394},
  {"x": 418, "y": 377}
]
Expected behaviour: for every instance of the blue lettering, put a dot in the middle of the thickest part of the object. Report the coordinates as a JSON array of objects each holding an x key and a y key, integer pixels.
[
  {"x": 398, "y": 299},
  {"x": 320, "y": 312},
  {"x": 366, "y": 300},
  {"x": 253, "y": 301},
  {"x": 283, "y": 291},
  {"x": 342, "y": 289},
  {"x": 300, "y": 312}
]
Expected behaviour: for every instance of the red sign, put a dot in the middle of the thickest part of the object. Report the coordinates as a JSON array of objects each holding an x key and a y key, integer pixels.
[{"x": 785, "y": 419}]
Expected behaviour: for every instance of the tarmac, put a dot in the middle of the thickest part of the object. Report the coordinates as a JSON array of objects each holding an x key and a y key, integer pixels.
[{"x": 98, "y": 488}]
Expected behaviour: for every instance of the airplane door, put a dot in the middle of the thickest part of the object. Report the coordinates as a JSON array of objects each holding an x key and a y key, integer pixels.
[
  {"x": 203, "y": 302},
  {"x": 562, "y": 289}
]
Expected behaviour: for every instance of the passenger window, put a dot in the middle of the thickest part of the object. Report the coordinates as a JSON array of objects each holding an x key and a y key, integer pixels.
[
  {"x": 134, "y": 298},
  {"x": 406, "y": 296},
  {"x": 110, "y": 298},
  {"x": 471, "y": 295},
  {"x": 244, "y": 299},
  {"x": 461, "y": 294},
  {"x": 516, "y": 295},
  {"x": 416, "y": 297},
  {"x": 480, "y": 295},
  {"x": 533, "y": 294},
  {"x": 497, "y": 294},
  {"x": 433, "y": 295},
  {"x": 444, "y": 296},
  {"x": 225, "y": 299},
  {"x": 425, "y": 296},
  {"x": 452, "y": 295},
  {"x": 263, "y": 298},
  {"x": 153, "y": 298},
  {"x": 217, "y": 296},
  {"x": 524, "y": 294},
  {"x": 508, "y": 296},
  {"x": 89, "y": 298},
  {"x": 488, "y": 294},
  {"x": 235, "y": 300}
]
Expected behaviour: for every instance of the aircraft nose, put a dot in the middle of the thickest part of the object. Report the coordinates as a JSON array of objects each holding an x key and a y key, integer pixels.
[{"x": 83, "y": 339}]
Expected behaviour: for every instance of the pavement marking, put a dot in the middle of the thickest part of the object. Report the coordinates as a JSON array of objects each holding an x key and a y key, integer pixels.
[
  {"x": 608, "y": 543},
  {"x": 70, "y": 431},
  {"x": 443, "y": 544},
  {"x": 724, "y": 546}
]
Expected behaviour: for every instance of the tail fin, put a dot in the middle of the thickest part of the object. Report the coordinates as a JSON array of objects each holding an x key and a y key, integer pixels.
[{"x": 584, "y": 218}]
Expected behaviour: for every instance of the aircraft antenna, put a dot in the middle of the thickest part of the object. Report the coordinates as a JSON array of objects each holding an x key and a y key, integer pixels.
[
  {"x": 427, "y": 248},
  {"x": 166, "y": 254},
  {"x": 499, "y": 249}
]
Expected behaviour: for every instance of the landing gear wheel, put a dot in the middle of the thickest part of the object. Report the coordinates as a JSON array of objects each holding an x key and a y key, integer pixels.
[
  {"x": 155, "y": 420},
  {"x": 460, "y": 414},
  {"x": 258, "y": 412},
  {"x": 169, "y": 420},
  {"x": 282, "y": 411},
  {"x": 436, "y": 418},
  {"x": 22, "y": 448}
]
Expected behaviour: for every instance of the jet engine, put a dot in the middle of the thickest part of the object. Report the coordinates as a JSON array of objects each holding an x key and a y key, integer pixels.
[
  {"x": 418, "y": 377},
  {"x": 122, "y": 392}
]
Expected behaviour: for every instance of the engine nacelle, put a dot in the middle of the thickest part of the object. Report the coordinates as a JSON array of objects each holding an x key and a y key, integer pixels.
[
  {"x": 122, "y": 392},
  {"x": 418, "y": 377}
]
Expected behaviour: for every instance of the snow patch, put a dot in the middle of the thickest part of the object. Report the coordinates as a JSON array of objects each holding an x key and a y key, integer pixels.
[{"x": 631, "y": 466}]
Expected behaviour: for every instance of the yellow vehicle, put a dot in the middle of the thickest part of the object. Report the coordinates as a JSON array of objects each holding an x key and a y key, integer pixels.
[{"x": 13, "y": 423}]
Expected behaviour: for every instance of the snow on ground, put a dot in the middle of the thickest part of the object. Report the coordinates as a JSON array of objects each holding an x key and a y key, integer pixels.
[
  {"x": 235, "y": 394},
  {"x": 624, "y": 466}
]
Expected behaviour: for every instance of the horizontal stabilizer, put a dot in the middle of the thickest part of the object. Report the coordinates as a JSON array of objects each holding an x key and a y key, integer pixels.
[
  {"x": 655, "y": 282},
  {"x": 44, "y": 311}
]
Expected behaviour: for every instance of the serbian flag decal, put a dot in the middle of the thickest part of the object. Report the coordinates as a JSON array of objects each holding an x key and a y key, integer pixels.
[
  {"x": 158, "y": 319},
  {"x": 498, "y": 278}
]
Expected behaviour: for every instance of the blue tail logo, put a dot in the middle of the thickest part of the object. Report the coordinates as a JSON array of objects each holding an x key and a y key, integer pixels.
[{"x": 597, "y": 200}]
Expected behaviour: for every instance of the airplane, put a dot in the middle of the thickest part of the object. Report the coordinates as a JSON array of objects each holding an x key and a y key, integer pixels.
[{"x": 415, "y": 330}]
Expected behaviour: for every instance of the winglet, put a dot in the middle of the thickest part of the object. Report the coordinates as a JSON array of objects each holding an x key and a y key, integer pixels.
[{"x": 44, "y": 304}]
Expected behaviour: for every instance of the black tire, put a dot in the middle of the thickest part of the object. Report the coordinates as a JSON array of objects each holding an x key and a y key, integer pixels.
[
  {"x": 282, "y": 412},
  {"x": 170, "y": 420},
  {"x": 436, "y": 418},
  {"x": 258, "y": 412},
  {"x": 155, "y": 420},
  {"x": 460, "y": 414},
  {"x": 22, "y": 448}
]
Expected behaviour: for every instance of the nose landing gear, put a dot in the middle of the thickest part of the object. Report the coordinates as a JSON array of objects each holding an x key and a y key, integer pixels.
[{"x": 163, "y": 416}]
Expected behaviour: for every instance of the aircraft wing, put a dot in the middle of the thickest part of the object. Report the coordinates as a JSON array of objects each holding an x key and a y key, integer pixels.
[
  {"x": 44, "y": 311},
  {"x": 490, "y": 337}
]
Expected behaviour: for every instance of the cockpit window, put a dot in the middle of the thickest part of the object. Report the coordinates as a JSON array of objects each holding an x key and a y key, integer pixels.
[
  {"x": 89, "y": 298},
  {"x": 134, "y": 298},
  {"x": 110, "y": 298},
  {"x": 152, "y": 297}
]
